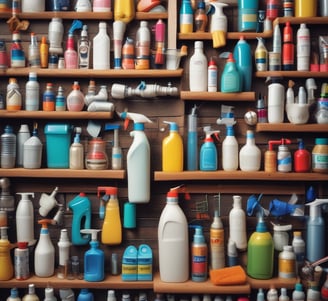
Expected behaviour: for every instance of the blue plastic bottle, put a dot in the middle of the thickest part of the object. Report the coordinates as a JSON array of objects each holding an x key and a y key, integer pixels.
[
  {"x": 94, "y": 259},
  {"x": 186, "y": 17},
  {"x": 85, "y": 295},
  {"x": 247, "y": 15},
  {"x": 192, "y": 145},
  {"x": 208, "y": 158},
  {"x": 243, "y": 55},
  {"x": 230, "y": 78}
]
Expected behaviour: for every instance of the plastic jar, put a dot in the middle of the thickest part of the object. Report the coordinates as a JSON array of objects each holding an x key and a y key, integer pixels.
[
  {"x": 96, "y": 157},
  {"x": 320, "y": 155}
]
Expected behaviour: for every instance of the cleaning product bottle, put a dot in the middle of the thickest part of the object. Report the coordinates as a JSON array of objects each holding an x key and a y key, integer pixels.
[
  {"x": 298, "y": 293},
  {"x": 94, "y": 259},
  {"x": 276, "y": 97},
  {"x": 200, "y": 17},
  {"x": 32, "y": 93},
  {"x": 288, "y": 48},
  {"x": 198, "y": 69},
  {"x": 208, "y": 157},
  {"x": 49, "y": 294},
  {"x": 217, "y": 256},
  {"x": 75, "y": 99},
  {"x": 192, "y": 140},
  {"x": 230, "y": 150},
  {"x": 21, "y": 261},
  {"x": 315, "y": 231},
  {"x": 14, "y": 295},
  {"x": 186, "y": 17},
  {"x": 212, "y": 76},
  {"x": 112, "y": 227},
  {"x": 70, "y": 54},
  {"x": 272, "y": 294},
  {"x": 287, "y": 263},
  {"x": 260, "y": 251},
  {"x": 7, "y": 268},
  {"x": 284, "y": 157},
  {"x": 33, "y": 150},
  {"x": 13, "y": 96},
  {"x": 25, "y": 218},
  {"x": 48, "y": 98},
  {"x": 85, "y": 295},
  {"x": 17, "y": 54},
  {"x": 142, "y": 60},
  {"x": 124, "y": 10},
  {"x": 101, "y": 48},
  {"x": 31, "y": 295},
  {"x": 303, "y": 48},
  {"x": 250, "y": 154},
  {"x": 242, "y": 54},
  {"x": 84, "y": 46},
  {"x": 34, "y": 52},
  {"x": 230, "y": 78},
  {"x": 44, "y": 255},
  {"x": 76, "y": 152},
  {"x": 8, "y": 148},
  {"x": 302, "y": 158},
  {"x": 173, "y": 235},
  {"x": 260, "y": 295},
  {"x": 283, "y": 295},
  {"x": 199, "y": 257},
  {"x": 218, "y": 23},
  {"x": 261, "y": 56},
  {"x": 22, "y": 135},
  {"x": 237, "y": 224},
  {"x": 63, "y": 247},
  {"x": 298, "y": 245},
  {"x": 172, "y": 150},
  {"x": 270, "y": 157},
  {"x": 44, "y": 52},
  {"x": 247, "y": 15}
]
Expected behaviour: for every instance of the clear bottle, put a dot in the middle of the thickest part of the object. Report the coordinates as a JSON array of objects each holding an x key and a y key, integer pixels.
[
  {"x": 32, "y": 93},
  {"x": 250, "y": 154},
  {"x": 84, "y": 49},
  {"x": 283, "y": 295},
  {"x": 8, "y": 148},
  {"x": 198, "y": 69},
  {"x": 13, "y": 96},
  {"x": 101, "y": 48},
  {"x": 142, "y": 47},
  {"x": 34, "y": 52},
  {"x": 75, "y": 99},
  {"x": 48, "y": 98}
]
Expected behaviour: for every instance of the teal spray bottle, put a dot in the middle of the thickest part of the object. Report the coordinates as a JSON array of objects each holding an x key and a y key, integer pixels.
[
  {"x": 208, "y": 158},
  {"x": 230, "y": 78},
  {"x": 94, "y": 258}
]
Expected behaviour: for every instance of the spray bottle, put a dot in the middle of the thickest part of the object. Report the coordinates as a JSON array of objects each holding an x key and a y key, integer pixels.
[
  {"x": 94, "y": 259},
  {"x": 217, "y": 256},
  {"x": 7, "y": 268},
  {"x": 315, "y": 231},
  {"x": 199, "y": 257},
  {"x": 44, "y": 255},
  {"x": 138, "y": 163},
  {"x": 172, "y": 150},
  {"x": 112, "y": 228},
  {"x": 218, "y": 24},
  {"x": 25, "y": 218},
  {"x": 173, "y": 235},
  {"x": 116, "y": 149},
  {"x": 208, "y": 158},
  {"x": 81, "y": 207},
  {"x": 118, "y": 33},
  {"x": 302, "y": 158},
  {"x": 192, "y": 140}
]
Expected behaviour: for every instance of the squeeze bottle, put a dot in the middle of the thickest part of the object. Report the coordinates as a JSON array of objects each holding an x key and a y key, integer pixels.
[
  {"x": 303, "y": 48},
  {"x": 31, "y": 295},
  {"x": 63, "y": 248},
  {"x": 186, "y": 17},
  {"x": 44, "y": 255},
  {"x": 230, "y": 78},
  {"x": 76, "y": 152},
  {"x": 230, "y": 150},
  {"x": 32, "y": 157},
  {"x": 112, "y": 228},
  {"x": 250, "y": 154},
  {"x": 237, "y": 224},
  {"x": 199, "y": 257},
  {"x": 25, "y": 219},
  {"x": 173, "y": 235},
  {"x": 212, "y": 76},
  {"x": 192, "y": 137},
  {"x": 315, "y": 231},
  {"x": 198, "y": 69},
  {"x": 7, "y": 268},
  {"x": 172, "y": 150},
  {"x": 101, "y": 48},
  {"x": 208, "y": 158},
  {"x": 302, "y": 158},
  {"x": 94, "y": 259},
  {"x": 217, "y": 256}
]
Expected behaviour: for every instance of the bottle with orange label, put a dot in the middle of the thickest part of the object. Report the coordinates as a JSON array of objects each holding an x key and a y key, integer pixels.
[
  {"x": 49, "y": 98},
  {"x": 199, "y": 258},
  {"x": 217, "y": 243}
]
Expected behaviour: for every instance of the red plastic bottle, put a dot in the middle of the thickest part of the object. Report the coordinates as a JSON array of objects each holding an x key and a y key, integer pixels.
[
  {"x": 302, "y": 158},
  {"x": 288, "y": 49}
]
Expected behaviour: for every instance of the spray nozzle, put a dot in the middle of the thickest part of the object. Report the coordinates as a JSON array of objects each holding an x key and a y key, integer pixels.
[
  {"x": 253, "y": 205},
  {"x": 45, "y": 222},
  {"x": 178, "y": 189},
  {"x": 209, "y": 132},
  {"x": 135, "y": 117},
  {"x": 93, "y": 232},
  {"x": 105, "y": 198},
  {"x": 282, "y": 141},
  {"x": 47, "y": 202},
  {"x": 77, "y": 24},
  {"x": 173, "y": 125},
  {"x": 227, "y": 116}
]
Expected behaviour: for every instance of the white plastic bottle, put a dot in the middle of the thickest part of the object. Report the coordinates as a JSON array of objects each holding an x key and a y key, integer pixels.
[
  {"x": 198, "y": 69},
  {"x": 250, "y": 154},
  {"x": 25, "y": 218},
  {"x": 212, "y": 76},
  {"x": 33, "y": 146},
  {"x": 173, "y": 235},
  {"x": 22, "y": 135},
  {"x": 303, "y": 48},
  {"x": 272, "y": 294},
  {"x": 298, "y": 245},
  {"x": 31, "y": 295},
  {"x": 298, "y": 293},
  {"x": 101, "y": 5},
  {"x": 32, "y": 93},
  {"x": 101, "y": 48},
  {"x": 230, "y": 151},
  {"x": 14, "y": 295},
  {"x": 217, "y": 254},
  {"x": 76, "y": 152},
  {"x": 276, "y": 108},
  {"x": 75, "y": 99},
  {"x": 63, "y": 248},
  {"x": 237, "y": 224},
  {"x": 283, "y": 295},
  {"x": 287, "y": 263},
  {"x": 29, "y": 6},
  {"x": 49, "y": 294},
  {"x": 142, "y": 60}
]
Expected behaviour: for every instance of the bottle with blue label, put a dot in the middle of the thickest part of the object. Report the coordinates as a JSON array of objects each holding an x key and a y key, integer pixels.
[
  {"x": 186, "y": 17},
  {"x": 247, "y": 15},
  {"x": 199, "y": 256},
  {"x": 208, "y": 158}
]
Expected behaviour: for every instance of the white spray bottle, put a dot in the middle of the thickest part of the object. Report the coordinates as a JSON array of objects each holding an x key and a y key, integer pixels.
[
  {"x": 218, "y": 24},
  {"x": 315, "y": 231}
]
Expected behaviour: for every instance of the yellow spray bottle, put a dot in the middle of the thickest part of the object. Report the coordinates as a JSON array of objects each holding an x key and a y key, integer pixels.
[{"x": 7, "y": 269}]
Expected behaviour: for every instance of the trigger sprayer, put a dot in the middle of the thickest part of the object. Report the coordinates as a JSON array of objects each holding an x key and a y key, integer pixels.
[
  {"x": 218, "y": 24},
  {"x": 208, "y": 158},
  {"x": 270, "y": 156}
]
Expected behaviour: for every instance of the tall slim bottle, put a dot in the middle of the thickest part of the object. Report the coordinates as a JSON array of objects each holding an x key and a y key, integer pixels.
[
  {"x": 101, "y": 48},
  {"x": 192, "y": 145},
  {"x": 186, "y": 17},
  {"x": 198, "y": 69},
  {"x": 217, "y": 256}
]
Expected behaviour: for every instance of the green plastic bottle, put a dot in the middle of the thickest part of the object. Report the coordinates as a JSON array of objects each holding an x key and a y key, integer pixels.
[{"x": 260, "y": 252}]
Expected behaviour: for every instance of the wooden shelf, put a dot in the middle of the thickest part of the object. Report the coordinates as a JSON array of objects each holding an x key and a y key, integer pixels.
[
  {"x": 299, "y": 20},
  {"x": 300, "y": 74},
  {"x": 113, "y": 282},
  {"x": 62, "y": 173},
  {"x": 66, "y": 115},
  {"x": 217, "y": 96},
  {"x": 191, "y": 287},
  {"x": 289, "y": 127},
  {"x": 230, "y": 35},
  {"x": 276, "y": 282},
  {"x": 238, "y": 176}
]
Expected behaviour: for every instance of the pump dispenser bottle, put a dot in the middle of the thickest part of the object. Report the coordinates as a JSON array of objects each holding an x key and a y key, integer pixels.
[
  {"x": 250, "y": 154},
  {"x": 25, "y": 219},
  {"x": 7, "y": 268}
]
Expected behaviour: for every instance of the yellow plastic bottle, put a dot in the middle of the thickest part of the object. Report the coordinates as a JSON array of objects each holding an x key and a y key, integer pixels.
[
  {"x": 111, "y": 233},
  {"x": 172, "y": 150},
  {"x": 124, "y": 10},
  {"x": 7, "y": 269},
  {"x": 305, "y": 8}
]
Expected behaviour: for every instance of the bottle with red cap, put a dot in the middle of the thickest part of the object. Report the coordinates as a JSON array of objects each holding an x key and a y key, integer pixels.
[
  {"x": 212, "y": 76},
  {"x": 288, "y": 49}
]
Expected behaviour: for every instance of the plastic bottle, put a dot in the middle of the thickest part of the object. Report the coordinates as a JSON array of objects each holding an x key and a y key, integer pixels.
[
  {"x": 288, "y": 48},
  {"x": 232, "y": 254},
  {"x": 287, "y": 263},
  {"x": 8, "y": 148},
  {"x": 212, "y": 76},
  {"x": 142, "y": 47},
  {"x": 247, "y": 15},
  {"x": 172, "y": 150},
  {"x": 32, "y": 93},
  {"x": 48, "y": 98},
  {"x": 302, "y": 158},
  {"x": 70, "y": 54},
  {"x": 208, "y": 157},
  {"x": 84, "y": 49},
  {"x": 173, "y": 235},
  {"x": 63, "y": 249},
  {"x": 313, "y": 293},
  {"x": 298, "y": 245},
  {"x": 112, "y": 227},
  {"x": 305, "y": 8},
  {"x": 31, "y": 295},
  {"x": 128, "y": 54},
  {"x": 192, "y": 140},
  {"x": 272, "y": 294},
  {"x": 33, "y": 6},
  {"x": 230, "y": 78},
  {"x": 17, "y": 54},
  {"x": 230, "y": 150},
  {"x": 284, "y": 157},
  {"x": 250, "y": 154},
  {"x": 198, "y": 69},
  {"x": 283, "y": 295},
  {"x": 272, "y": 9},
  {"x": 25, "y": 218},
  {"x": 33, "y": 151},
  {"x": 199, "y": 261},
  {"x": 276, "y": 97},
  {"x": 298, "y": 293},
  {"x": 13, "y": 96},
  {"x": 324, "y": 290},
  {"x": 75, "y": 99},
  {"x": 237, "y": 224},
  {"x": 85, "y": 295},
  {"x": 49, "y": 294},
  {"x": 22, "y": 135},
  {"x": 242, "y": 54},
  {"x": 320, "y": 155},
  {"x": 261, "y": 56},
  {"x": 94, "y": 259},
  {"x": 44, "y": 52},
  {"x": 34, "y": 52},
  {"x": 55, "y": 36},
  {"x": 260, "y": 252},
  {"x": 7, "y": 269},
  {"x": 60, "y": 100},
  {"x": 217, "y": 254},
  {"x": 14, "y": 295},
  {"x": 101, "y": 5},
  {"x": 303, "y": 48},
  {"x": 200, "y": 17},
  {"x": 101, "y": 48},
  {"x": 76, "y": 152},
  {"x": 186, "y": 17},
  {"x": 44, "y": 255}
]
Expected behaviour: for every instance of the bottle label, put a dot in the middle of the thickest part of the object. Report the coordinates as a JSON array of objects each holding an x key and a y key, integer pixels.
[
  {"x": 287, "y": 268},
  {"x": 320, "y": 161},
  {"x": 199, "y": 263}
]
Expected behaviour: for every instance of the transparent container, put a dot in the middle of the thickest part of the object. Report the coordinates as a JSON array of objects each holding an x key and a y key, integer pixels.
[{"x": 96, "y": 157}]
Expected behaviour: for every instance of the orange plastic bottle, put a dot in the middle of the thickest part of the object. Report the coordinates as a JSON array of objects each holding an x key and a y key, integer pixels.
[{"x": 7, "y": 269}]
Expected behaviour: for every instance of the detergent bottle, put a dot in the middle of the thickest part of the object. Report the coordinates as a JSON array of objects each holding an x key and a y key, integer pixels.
[
  {"x": 208, "y": 158},
  {"x": 94, "y": 259},
  {"x": 7, "y": 268},
  {"x": 218, "y": 24},
  {"x": 75, "y": 99},
  {"x": 32, "y": 150},
  {"x": 250, "y": 154},
  {"x": 230, "y": 78},
  {"x": 81, "y": 207},
  {"x": 172, "y": 150},
  {"x": 112, "y": 228},
  {"x": 315, "y": 231},
  {"x": 173, "y": 235},
  {"x": 44, "y": 255}
]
